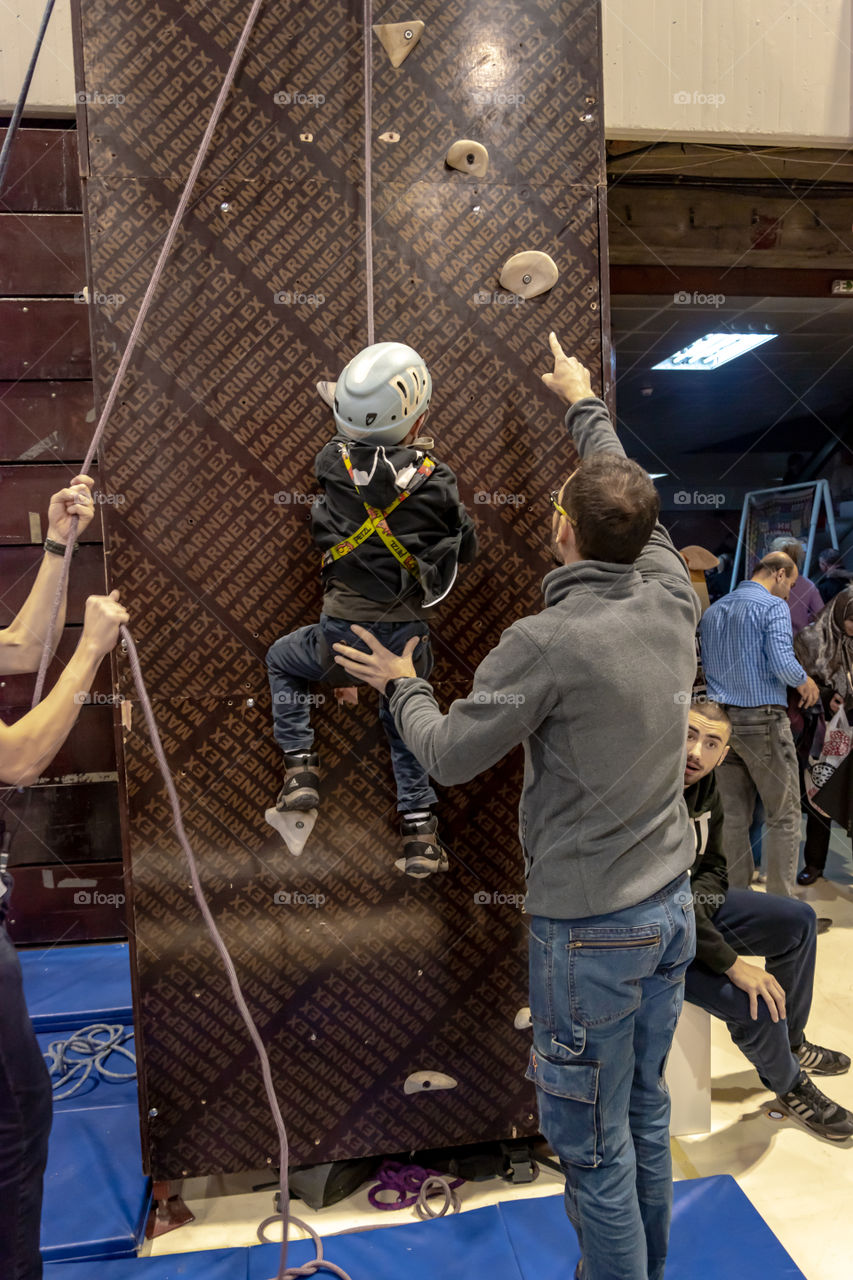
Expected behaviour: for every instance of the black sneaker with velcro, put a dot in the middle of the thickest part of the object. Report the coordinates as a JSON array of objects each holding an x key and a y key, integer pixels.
[
  {"x": 820, "y": 1114},
  {"x": 821, "y": 1062},
  {"x": 301, "y": 781}
]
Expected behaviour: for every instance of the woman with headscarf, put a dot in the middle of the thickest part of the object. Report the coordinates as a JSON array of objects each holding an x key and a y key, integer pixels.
[{"x": 825, "y": 650}]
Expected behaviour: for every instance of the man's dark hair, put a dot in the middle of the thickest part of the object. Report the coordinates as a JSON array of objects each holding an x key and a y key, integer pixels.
[
  {"x": 614, "y": 505},
  {"x": 712, "y": 711},
  {"x": 775, "y": 561},
  {"x": 831, "y": 555}
]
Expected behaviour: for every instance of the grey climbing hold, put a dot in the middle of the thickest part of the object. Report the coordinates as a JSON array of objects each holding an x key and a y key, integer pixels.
[
  {"x": 293, "y": 825},
  {"x": 428, "y": 1082},
  {"x": 468, "y": 156},
  {"x": 398, "y": 39},
  {"x": 529, "y": 273}
]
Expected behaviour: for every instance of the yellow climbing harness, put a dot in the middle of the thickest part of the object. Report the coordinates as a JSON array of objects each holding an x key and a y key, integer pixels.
[{"x": 377, "y": 522}]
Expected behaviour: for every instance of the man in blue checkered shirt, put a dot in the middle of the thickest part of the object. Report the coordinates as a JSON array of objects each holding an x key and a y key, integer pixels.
[{"x": 749, "y": 663}]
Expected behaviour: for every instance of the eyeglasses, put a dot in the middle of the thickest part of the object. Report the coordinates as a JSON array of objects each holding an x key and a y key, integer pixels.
[{"x": 553, "y": 498}]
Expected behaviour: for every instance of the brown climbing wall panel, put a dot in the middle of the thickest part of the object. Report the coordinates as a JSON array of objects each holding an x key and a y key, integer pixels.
[{"x": 211, "y": 447}]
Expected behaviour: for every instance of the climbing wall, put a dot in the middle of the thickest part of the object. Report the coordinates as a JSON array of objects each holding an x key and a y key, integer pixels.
[{"x": 358, "y": 977}]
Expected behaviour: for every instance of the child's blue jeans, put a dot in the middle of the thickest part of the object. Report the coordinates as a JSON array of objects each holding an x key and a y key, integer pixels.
[{"x": 306, "y": 657}]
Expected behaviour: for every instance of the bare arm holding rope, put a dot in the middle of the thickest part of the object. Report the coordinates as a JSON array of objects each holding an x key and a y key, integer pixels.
[{"x": 27, "y": 747}]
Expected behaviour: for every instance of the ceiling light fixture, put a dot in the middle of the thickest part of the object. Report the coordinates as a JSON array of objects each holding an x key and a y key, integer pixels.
[{"x": 713, "y": 350}]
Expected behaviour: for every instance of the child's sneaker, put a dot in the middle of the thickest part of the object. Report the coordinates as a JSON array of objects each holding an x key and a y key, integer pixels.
[
  {"x": 423, "y": 854},
  {"x": 301, "y": 781}
]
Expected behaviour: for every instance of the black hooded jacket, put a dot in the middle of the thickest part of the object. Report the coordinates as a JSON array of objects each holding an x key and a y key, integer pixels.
[
  {"x": 709, "y": 876},
  {"x": 432, "y": 524}
]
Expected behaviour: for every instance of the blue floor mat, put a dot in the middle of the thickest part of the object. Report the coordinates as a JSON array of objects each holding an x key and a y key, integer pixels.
[
  {"x": 96, "y": 1196},
  {"x": 68, "y": 987},
  {"x": 716, "y": 1235},
  {"x": 97, "y": 1090}
]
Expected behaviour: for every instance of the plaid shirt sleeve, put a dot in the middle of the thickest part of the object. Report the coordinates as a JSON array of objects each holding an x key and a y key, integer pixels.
[{"x": 779, "y": 647}]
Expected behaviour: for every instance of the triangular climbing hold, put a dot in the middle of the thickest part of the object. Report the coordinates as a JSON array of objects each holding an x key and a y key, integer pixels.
[
  {"x": 529, "y": 273},
  {"x": 399, "y": 39},
  {"x": 293, "y": 825}
]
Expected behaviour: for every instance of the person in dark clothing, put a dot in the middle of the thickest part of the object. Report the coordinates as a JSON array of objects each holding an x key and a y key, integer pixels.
[
  {"x": 833, "y": 576},
  {"x": 392, "y": 532},
  {"x": 825, "y": 651},
  {"x": 765, "y": 1009}
]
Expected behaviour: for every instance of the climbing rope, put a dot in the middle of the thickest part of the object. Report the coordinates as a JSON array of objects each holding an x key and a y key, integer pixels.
[
  {"x": 368, "y": 167},
  {"x": 412, "y": 1187},
  {"x": 72, "y": 1061}
]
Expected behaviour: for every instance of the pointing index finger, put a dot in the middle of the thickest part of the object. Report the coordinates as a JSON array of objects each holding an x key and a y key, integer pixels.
[{"x": 555, "y": 344}]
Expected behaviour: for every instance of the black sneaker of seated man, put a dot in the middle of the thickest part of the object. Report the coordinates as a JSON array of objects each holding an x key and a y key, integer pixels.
[
  {"x": 816, "y": 1112},
  {"x": 818, "y": 1061}
]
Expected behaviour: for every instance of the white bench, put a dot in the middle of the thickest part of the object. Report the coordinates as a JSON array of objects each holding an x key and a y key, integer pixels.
[{"x": 688, "y": 1073}]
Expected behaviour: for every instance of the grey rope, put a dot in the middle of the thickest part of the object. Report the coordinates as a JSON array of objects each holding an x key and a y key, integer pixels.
[
  {"x": 22, "y": 96},
  {"x": 91, "y": 1053},
  {"x": 368, "y": 168}
]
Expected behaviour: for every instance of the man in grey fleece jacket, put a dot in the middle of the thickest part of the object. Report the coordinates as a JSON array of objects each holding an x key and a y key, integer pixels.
[{"x": 596, "y": 688}]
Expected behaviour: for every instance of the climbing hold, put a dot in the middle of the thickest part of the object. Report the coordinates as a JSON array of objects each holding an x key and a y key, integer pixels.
[
  {"x": 293, "y": 825},
  {"x": 428, "y": 1081},
  {"x": 326, "y": 392},
  {"x": 398, "y": 39},
  {"x": 389, "y": 136},
  {"x": 529, "y": 273},
  {"x": 523, "y": 1019},
  {"x": 469, "y": 157}
]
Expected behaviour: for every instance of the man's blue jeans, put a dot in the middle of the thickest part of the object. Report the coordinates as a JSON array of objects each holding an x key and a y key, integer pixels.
[
  {"x": 306, "y": 657},
  {"x": 605, "y": 995}
]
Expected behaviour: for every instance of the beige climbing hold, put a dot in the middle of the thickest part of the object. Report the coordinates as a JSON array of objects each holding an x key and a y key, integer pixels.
[
  {"x": 469, "y": 157},
  {"x": 529, "y": 273},
  {"x": 398, "y": 39},
  {"x": 293, "y": 825},
  {"x": 389, "y": 136}
]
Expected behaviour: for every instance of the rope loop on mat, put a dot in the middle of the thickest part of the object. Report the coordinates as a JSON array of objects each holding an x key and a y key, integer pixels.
[
  {"x": 320, "y": 1263},
  {"x": 412, "y": 1186},
  {"x": 73, "y": 1060}
]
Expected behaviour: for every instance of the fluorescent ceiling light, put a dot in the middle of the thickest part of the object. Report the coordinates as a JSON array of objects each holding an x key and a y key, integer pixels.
[
  {"x": 713, "y": 350},
  {"x": 657, "y": 475}
]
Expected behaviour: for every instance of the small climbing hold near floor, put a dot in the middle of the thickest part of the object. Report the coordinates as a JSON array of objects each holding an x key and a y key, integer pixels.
[
  {"x": 529, "y": 273},
  {"x": 428, "y": 1081},
  {"x": 398, "y": 39},
  {"x": 293, "y": 825},
  {"x": 468, "y": 157}
]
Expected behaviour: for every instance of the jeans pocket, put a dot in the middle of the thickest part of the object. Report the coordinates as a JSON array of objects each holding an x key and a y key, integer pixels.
[
  {"x": 569, "y": 1107},
  {"x": 606, "y": 967}
]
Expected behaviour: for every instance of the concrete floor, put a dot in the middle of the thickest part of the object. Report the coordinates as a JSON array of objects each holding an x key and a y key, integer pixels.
[{"x": 802, "y": 1186}]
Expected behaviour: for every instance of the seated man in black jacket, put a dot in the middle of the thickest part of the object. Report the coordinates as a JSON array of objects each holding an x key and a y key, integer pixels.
[{"x": 765, "y": 1008}]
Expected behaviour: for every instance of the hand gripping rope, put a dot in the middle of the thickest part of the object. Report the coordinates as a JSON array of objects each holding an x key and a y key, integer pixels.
[{"x": 320, "y": 1263}]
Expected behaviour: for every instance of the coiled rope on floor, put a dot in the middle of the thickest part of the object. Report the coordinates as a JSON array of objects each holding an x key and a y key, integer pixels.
[{"x": 72, "y": 1061}]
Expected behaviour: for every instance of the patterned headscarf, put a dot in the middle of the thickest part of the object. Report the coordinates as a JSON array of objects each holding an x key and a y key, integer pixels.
[{"x": 824, "y": 648}]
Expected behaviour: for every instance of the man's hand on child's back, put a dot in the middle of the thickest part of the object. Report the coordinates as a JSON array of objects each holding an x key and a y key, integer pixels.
[{"x": 380, "y": 665}]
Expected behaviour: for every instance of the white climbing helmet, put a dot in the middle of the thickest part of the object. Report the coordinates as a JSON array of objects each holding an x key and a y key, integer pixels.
[{"x": 381, "y": 393}]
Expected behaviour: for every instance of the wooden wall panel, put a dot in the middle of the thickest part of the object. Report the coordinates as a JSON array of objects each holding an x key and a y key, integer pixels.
[
  {"x": 71, "y": 904},
  {"x": 44, "y": 338},
  {"x": 20, "y": 565},
  {"x": 218, "y": 418},
  {"x": 25, "y": 491},
  {"x": 44, "y": 172},
  {"x": 45, "y": 421},
  {"x": 41, "y": 253}
]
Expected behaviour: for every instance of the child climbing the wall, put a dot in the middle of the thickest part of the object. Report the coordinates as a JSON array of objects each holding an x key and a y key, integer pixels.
[{"x": 392, "y": 532}]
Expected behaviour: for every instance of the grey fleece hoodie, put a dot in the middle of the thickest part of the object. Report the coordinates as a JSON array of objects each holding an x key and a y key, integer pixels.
[{"x": 596, "y": 688}]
